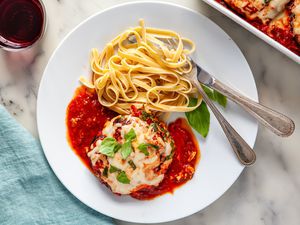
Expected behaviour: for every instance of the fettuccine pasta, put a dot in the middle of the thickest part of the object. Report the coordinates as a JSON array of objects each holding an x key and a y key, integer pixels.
[{"x": 143, "y": 67}]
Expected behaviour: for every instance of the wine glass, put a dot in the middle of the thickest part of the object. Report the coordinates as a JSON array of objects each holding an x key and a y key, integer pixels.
[{"x": 22, "y": 23}]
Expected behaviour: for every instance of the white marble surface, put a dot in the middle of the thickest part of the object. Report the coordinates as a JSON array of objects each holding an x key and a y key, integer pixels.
[{"x": 267, "y": 193}]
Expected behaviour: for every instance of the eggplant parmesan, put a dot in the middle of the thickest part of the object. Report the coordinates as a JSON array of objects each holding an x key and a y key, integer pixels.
[
  {"x": 295, "y": 10},
  {"x": 279, "y": 19},
  {"x": 131, "y": 154},
  {"x": 163, "y": 155}
]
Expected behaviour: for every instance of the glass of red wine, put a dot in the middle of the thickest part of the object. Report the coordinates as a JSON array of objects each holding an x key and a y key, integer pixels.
[{"x": 22, "y": 23}]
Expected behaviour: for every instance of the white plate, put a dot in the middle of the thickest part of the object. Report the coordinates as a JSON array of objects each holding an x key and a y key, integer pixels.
[
  {"x": 218, "y": 167},
  {"x": 253, "y": 30}
]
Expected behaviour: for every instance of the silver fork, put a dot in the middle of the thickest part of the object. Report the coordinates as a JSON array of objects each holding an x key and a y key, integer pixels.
[
  {"x": 275, "y": 121},
  {"x": 243, "y": 151}
]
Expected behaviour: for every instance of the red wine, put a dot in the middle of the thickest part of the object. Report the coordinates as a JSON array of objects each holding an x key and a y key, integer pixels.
[{"x": 21, "y": 23}]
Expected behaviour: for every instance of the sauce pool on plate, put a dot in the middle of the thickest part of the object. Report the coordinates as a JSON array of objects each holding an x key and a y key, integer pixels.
[
  {"x": 184, "y": 162},
  {"x": 86, "y": 118}
]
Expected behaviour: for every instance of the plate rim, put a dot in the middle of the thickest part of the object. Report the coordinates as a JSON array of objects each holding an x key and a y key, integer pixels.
[{"x": 42, "y": 81}]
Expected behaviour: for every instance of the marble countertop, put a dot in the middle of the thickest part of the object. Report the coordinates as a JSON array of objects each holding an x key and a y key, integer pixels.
[{"x": 266, "y": 193}]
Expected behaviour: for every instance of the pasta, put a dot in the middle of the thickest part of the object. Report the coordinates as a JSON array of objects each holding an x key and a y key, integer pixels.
[{"x": 143, "y": 67}]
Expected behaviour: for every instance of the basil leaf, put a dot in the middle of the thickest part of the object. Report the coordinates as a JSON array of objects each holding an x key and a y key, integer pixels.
[
  {"x": 215, "y": 96},
  {"x": 221, "y": 99},
  {"x": 105, "y": 172},
  {"x": 113, "y": 169},
  {"x": 108, "y": 146},
  {"x": 144, "y": 148},
  {"x": 117, "y": 147},
  {"x": 145, "y": 145},
  {"x": 209, "y": 92},
  {"x": 130, "y": 135},
  {"x": 131, "y": 163},
  {"x": 153, "y": 146},
  {"x": 199, "y": 118},
  {"x": 122, "y": 178},
  {"x": 126, "y": 149}
]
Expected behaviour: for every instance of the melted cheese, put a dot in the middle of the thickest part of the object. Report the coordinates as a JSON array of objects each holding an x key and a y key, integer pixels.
[
  {"x": 261, "y": 9},
  {"x": 247, "y": 7},
  {"x": 296, "y": 20},
  {"x": 281, "y": 21},
  {"x": 272, "y": 9},
  {"x": 144, "y": 174}
]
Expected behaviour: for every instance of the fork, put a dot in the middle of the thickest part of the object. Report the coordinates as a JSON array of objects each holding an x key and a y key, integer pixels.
[
  {"x": 243, "y": 151},
  {"x": 275, "y": 121}
]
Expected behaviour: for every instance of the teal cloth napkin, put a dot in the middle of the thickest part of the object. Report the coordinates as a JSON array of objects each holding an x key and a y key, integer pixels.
[{"x": 30, "y": 193}]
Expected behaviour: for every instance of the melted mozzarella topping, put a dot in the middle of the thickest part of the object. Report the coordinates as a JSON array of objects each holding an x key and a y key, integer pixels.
[
  {"x": 272, "y": 9},
  {"x": 296, "y": 20},
  {"x": 281, "y": 21},
  {"x": 145, "y": 172},
  {"x": 247, "y": 7},
  {"x": 261, "y": 9}
]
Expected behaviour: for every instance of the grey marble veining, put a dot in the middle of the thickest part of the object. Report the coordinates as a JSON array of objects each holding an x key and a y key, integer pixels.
[{"x": 267, "y": 193}]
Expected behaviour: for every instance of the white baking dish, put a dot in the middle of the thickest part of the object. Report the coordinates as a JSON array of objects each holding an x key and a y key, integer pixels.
[{"x": 252, "y": 29}]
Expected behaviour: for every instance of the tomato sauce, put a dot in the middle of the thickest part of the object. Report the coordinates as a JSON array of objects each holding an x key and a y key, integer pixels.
[
  {"x": 283, "y": 36},
  {"x": 183, "y": 165},
  {"x": 86, "y": 118}
]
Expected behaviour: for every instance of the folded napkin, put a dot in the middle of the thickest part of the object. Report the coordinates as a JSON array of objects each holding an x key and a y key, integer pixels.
[{"x": 30, "y": 193}]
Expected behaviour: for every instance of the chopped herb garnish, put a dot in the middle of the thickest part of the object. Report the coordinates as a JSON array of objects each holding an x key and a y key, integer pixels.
[
  {"x": 154, "y": 146},
  {"x": 172, "y": 144},
  {"x": 130, "y": 135},
  {"x": 109, "y": 146},
  {"x": 126, "y": 149},
  {"x": 113, "y": 169},
  {"x": 122, "y": 178},
  {"x": 94, "y": 139},
  {"x": 154, "y": 126},
  {"x": 105, "y": 171},
  {"x": 131, "y": 163},
  {"x": 163, "y": 129},
  {"x": 170, "y": 156},
  {"x": 145, "y": 145},
  {"x": 144, "y": 148},
  {"x": 145, "y": 116},
  {"x": 145, "y": 151},
  {"x": 117, "y": 147}
]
